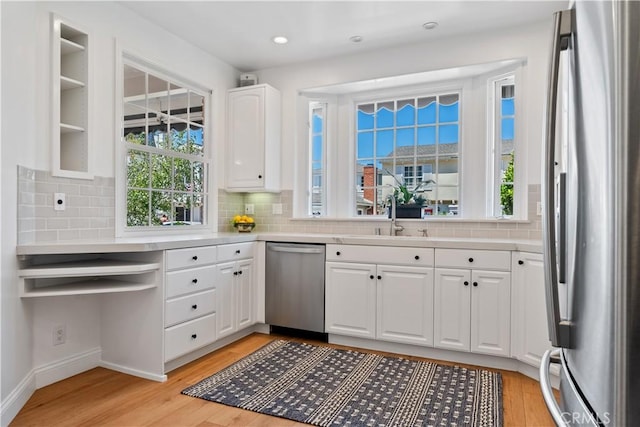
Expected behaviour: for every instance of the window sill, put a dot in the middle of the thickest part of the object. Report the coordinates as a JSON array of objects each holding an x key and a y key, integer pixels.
[{"x": 431, "y": 219}]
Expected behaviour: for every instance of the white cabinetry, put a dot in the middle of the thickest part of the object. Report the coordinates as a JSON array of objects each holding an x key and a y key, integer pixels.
[
  {"x": 529, "y": 309},
  {"x": 253, "y": 139},
  {"x": 71, "y": 156},
  {"x": 379, "y": 300},
  {"x": 472, "y": 304},
  {"x": 190, "y": 306},
  {"x": 236, "y": 286}
]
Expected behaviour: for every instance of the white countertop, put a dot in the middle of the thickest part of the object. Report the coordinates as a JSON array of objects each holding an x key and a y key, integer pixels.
[{"x": 157, "y": 243}]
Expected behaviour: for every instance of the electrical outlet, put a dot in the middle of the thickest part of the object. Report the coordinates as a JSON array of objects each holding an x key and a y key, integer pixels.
[
  {"x": 539, "y": 209},
  {"x": 277, "y": 209},
  {"x": 59, "y": 334},
  {"x": 59, "y": 201},
  {"x": 249, "y": 208}
]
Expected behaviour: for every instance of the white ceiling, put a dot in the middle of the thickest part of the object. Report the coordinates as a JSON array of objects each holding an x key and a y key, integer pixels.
[{"x": 239, "y": 32}]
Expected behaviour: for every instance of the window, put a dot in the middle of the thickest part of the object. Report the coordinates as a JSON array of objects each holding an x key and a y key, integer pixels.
[
  {"x": 504, "y": 147},
  {"x": 165, "y": 142},
  {"x": 408, "y": 141},
  {"x": 317, "y": 149}
]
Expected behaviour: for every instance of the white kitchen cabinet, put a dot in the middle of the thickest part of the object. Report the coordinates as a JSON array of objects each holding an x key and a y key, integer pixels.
[
  {"x": 191, "y": 300},
  {"x": 254, "y": 139},
  {"x": 472, "y": 306},
  {"x": 236, "y": 290},
  {"x": 70, "y": 107},
  {"x": 380, "y": 301},
  {"x": 530, "y": 337}
]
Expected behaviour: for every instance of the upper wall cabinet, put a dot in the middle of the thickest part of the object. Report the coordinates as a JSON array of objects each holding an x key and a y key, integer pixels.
[
  {"x": 70, "y": 100},
  {"x": 253, "y": 138}
]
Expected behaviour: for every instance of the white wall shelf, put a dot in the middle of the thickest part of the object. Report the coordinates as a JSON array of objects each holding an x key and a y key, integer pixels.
[
  {"x": 68, "y": 46},
  {"x": 66, "y": 128},
  {"x": 89, "y": 287},
  {"x": 67, "y": 83}
]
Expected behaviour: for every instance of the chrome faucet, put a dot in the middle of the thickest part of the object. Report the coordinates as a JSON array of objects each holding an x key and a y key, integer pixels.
[{"x": 395, "y": 228}]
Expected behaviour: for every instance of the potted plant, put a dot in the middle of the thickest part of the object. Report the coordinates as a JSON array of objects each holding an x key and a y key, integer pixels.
[{"x": 409, "y": 203}]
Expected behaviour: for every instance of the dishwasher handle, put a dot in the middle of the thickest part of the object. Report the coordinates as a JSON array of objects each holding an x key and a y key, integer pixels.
[{"x": 291, "y": 249}]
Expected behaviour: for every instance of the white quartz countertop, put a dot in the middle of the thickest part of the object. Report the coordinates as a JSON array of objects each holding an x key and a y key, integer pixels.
[{"x": 156, "y": 243}]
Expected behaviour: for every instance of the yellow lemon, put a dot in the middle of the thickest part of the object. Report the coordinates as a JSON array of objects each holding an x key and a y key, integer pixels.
[
  {"x": 244, "y": 218},
  {"x": 250, "y": 220},
  {"x": 237, "y": 218}
]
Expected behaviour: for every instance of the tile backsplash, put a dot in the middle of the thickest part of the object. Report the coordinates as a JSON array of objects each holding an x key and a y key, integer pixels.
[
  {"x": 231, "y": 204},
  {"x": 89, "y": 212}
]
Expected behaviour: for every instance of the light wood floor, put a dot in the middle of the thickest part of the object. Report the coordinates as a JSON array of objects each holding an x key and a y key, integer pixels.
[{"x": 101, "y": 397}]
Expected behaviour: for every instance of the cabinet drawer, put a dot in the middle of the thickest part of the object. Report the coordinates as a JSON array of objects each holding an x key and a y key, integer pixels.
[
  {"x": 189, "y": 336},
  {"x": 235, "y": 251},
  {"x": 189, "y": 281},
  {"x": 189, "y": 307},
  {"x": 380, "y": 255},
  {"x": 477, "y": 259},
  {"x": 190, "y": 257}
]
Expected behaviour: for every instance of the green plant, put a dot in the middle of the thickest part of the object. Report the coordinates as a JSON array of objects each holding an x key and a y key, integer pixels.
[
  {"x": 404, "y": 196},
  {"x": 506, "y": 189}
]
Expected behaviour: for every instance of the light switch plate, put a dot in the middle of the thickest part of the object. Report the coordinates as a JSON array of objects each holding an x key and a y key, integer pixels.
[
  {"x": 59, "y": 201},
  {"x": 249, "y": 209}
]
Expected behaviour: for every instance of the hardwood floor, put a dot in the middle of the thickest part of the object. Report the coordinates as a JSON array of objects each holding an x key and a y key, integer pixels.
[{"x": 101, "y": 397}]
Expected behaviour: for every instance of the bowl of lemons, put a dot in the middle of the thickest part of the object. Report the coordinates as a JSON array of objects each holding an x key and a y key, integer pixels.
[{"x": 243, "y": 223}]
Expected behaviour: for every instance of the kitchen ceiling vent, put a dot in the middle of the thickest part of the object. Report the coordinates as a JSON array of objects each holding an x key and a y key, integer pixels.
[{"x": 248, "y": 80}]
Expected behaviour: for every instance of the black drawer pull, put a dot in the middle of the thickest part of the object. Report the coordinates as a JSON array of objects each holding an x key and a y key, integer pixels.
[
  {"x": 470, "y": 259},
  {"x": 372, "y": 277},
  {"x": 195, "y": 257},
  {"x": 466, "y": 283},
  {"x": 238, "y": 251},
  {"x": 194, "y": 281},
  {"x": 338, "y": 253},
  {"x": 235, "y": 273},
  {"x": 379, "y": 277},
  {"x": 417, "y": 257},
  {"x": 194, "y": 307},
  {"x": 259, "y": 176},
  {"x": 520, "y": 262},
  {"x": 475, "y": 283},
  {"x": 194, "y": 336},
  {"x": 240, "y": 272}
]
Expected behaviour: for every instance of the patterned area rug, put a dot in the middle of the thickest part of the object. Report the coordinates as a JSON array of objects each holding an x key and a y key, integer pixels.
[{"x": 328, "y": 387}]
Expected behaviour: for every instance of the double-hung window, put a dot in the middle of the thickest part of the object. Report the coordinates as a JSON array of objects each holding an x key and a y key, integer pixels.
[
  {"x": 409, "y": 141},
  {"x": 317, "y": 159},
  {"x": 503, "y": 147},
  {"x": 165, "y": 140}
]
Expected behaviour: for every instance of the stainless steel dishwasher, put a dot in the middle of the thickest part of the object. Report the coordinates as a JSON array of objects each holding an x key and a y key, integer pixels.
[{"x": 294, "y": 290}]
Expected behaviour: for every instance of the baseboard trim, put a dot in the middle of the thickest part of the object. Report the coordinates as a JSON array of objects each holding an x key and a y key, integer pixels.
[
  {"x": 67, "y": 367},
  {"x": 134, "y": 372},
  {"x": 17, "y": 398}
]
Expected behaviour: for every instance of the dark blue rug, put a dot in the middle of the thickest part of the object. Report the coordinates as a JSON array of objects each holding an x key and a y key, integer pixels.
[{"x": 329, "y": 387}]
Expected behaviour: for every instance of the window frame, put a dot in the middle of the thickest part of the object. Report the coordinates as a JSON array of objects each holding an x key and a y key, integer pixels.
[
  {"x": 315, "y": 105},
  {"x": 122, "y": 149}
]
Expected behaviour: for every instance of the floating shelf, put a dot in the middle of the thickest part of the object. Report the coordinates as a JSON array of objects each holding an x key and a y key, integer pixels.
[
  {"x": 67, "y": 83},
  {"x": 87, "y": 277}
]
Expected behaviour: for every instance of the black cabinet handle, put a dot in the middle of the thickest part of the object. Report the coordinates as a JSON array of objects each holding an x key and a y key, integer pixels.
[
  {"x": 520, "y": 262},
  {"x": 372, "y": 277},
  {"x": 235, "y": 273},
  {"x": 379, "y": 277},
  {"x": 475, "y": 283},
  {"x": 238, "y": 251},
  {"x": 194, "y": 281},
  {"x": 195, "y": 257},
  {"x": 470, "y": 259},
  {"x": 194, "y": 336},
  {"x": 417, "y": 257},
  {"x": 466, "y": 283},
  {"x": 240, "y": 272},
  {"x": 338, "y": 253},
  {"x": 194, "y": 306},
  {"x": 259, "y": 176}
]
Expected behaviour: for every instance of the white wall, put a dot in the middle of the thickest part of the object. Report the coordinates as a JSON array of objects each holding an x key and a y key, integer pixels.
[
  {"x": 530, "y": 42},
  {"x": 26, "y": 106}
]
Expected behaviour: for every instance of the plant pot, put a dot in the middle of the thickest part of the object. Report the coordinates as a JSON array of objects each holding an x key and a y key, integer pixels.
[
  {"x": 408, "y": 211},
  {"x": 244, "y": 227}
]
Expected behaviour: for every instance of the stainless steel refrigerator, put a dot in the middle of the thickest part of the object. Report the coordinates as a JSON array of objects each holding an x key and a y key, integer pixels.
[{"x": 591, "y": 204}]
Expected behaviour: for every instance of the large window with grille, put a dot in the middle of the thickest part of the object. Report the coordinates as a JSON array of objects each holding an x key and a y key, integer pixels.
[
  {"x": 164, "y": 134},
  {"x": 409, "y": 142}
]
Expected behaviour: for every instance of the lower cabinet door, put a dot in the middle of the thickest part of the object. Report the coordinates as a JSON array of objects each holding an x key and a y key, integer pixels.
[
  {"x": 350, "y": 299},
  {"x": 405, "y": 304},
  {"x": 186, "y": 337},
  {"x": 491, "y": 312},
  {"x": 244, "y": 288},
  {"x": 227, "y": 299},
  {"x": 452, "y": 314}
]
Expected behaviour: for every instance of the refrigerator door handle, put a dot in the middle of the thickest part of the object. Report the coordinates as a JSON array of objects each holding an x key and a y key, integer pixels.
[
  {"x": 545, "y": 386},
  {"x": 558, "y": 330}
]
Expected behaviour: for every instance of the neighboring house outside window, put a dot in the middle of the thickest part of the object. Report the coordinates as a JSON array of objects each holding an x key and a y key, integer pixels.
[
  {"x": 408, "y": 140},
  {"x": 164, "y": 134}
]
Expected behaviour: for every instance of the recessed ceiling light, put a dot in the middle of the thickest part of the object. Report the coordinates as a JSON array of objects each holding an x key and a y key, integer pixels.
[
  {"x": 280, "y": 40},
  {"x": 356, "y": 39},
  {"x": 429, "y": 25}
]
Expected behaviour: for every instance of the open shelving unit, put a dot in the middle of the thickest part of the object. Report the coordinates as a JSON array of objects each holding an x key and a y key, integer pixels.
[
  {"x": 86, "y": 277},
  {"x": 70, "y": 101}
]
